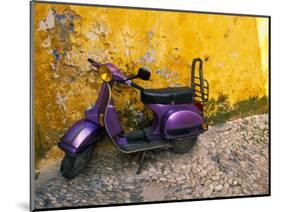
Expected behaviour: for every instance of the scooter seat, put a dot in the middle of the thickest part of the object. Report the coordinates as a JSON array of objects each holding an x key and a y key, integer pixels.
[{"x": 175, "y": 95}]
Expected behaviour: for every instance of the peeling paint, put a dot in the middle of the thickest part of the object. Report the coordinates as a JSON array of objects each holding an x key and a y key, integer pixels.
[
  {"x": 48, "y": 22},
  {"x": 61, "y": 101}
]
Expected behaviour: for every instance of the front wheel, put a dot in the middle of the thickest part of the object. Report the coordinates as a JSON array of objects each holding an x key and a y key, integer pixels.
[
  {"x": 181, "y": 146},
  {"x": 72, "y": 166}
]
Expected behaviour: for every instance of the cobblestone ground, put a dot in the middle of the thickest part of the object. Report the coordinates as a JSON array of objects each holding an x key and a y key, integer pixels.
[{"x": 228, "y": 160}]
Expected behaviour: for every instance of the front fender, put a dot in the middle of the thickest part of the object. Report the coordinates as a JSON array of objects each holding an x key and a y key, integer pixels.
[{"x": 80, "y": 136}]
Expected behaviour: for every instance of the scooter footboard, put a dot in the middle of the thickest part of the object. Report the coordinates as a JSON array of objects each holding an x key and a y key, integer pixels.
[{"x": 80, "y": 136}]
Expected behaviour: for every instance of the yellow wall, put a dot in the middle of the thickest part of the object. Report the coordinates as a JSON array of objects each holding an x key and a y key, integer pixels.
[
  {"x": 165, "y": 42},
  {"x": 263, "y": 27}
]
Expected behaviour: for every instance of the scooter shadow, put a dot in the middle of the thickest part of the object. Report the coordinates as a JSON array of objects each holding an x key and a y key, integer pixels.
[{"x": 113, "y": 162}]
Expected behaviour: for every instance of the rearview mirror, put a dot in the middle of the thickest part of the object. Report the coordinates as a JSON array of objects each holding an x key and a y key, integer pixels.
[{"x": 144, "y": 74}]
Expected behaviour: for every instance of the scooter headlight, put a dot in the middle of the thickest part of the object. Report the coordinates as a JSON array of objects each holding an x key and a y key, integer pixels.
[{"x": 105, "y": 73}]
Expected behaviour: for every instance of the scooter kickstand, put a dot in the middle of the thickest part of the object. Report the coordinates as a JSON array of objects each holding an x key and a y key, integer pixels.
[{"x": 141, "y": 163}]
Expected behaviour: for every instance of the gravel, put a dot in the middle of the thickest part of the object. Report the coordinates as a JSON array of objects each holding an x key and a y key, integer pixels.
[{"x": 228, "y": 160}]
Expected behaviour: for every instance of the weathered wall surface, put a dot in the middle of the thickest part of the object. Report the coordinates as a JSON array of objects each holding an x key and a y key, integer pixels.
[{"x": 166, "y": 43}]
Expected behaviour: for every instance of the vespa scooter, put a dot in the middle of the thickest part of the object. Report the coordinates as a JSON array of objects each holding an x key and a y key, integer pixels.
[{"x": 178, "y": 119}]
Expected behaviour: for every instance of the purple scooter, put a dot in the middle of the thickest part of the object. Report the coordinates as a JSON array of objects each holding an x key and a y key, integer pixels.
[{"x": 178, "y": 119}]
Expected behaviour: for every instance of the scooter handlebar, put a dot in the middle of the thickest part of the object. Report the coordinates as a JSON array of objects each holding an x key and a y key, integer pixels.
[{"x": 97, "y": 65}]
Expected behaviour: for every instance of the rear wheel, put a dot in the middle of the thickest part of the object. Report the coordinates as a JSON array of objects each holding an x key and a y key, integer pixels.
[
  {"x": 72, "y": 166},
  {"x": 181, "y": 146}
]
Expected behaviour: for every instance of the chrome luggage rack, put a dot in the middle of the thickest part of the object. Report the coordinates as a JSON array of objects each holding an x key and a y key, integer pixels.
[{"x": 199, "y": 85}]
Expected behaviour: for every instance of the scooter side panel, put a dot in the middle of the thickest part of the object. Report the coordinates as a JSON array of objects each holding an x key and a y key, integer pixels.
[
  {"x": 181, "y": 122},
  {"x": 161, "y": 110},
  {"x": 81, "y": 135}
]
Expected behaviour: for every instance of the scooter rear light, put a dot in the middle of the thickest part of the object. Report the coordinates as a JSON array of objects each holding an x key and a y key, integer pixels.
[
  {"x": 199, "y": 105},
  {"x": 205, "y": 126}
]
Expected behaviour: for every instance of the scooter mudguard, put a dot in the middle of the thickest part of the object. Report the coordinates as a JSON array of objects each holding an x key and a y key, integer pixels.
[{"x": 81, "y": 135}]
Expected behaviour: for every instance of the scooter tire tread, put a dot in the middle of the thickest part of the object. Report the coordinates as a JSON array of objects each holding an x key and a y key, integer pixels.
[
  {"x": 71, "y": 167},
  {"x": 183, "y": 146}
]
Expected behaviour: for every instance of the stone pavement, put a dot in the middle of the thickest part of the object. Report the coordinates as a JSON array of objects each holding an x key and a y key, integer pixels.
[{"x": 228, "y": 160}]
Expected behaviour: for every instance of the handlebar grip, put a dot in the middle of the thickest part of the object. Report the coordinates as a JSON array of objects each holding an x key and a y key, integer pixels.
[
  {"x": 94, "y": 63},
  {"x": 91, "y": 60}
]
